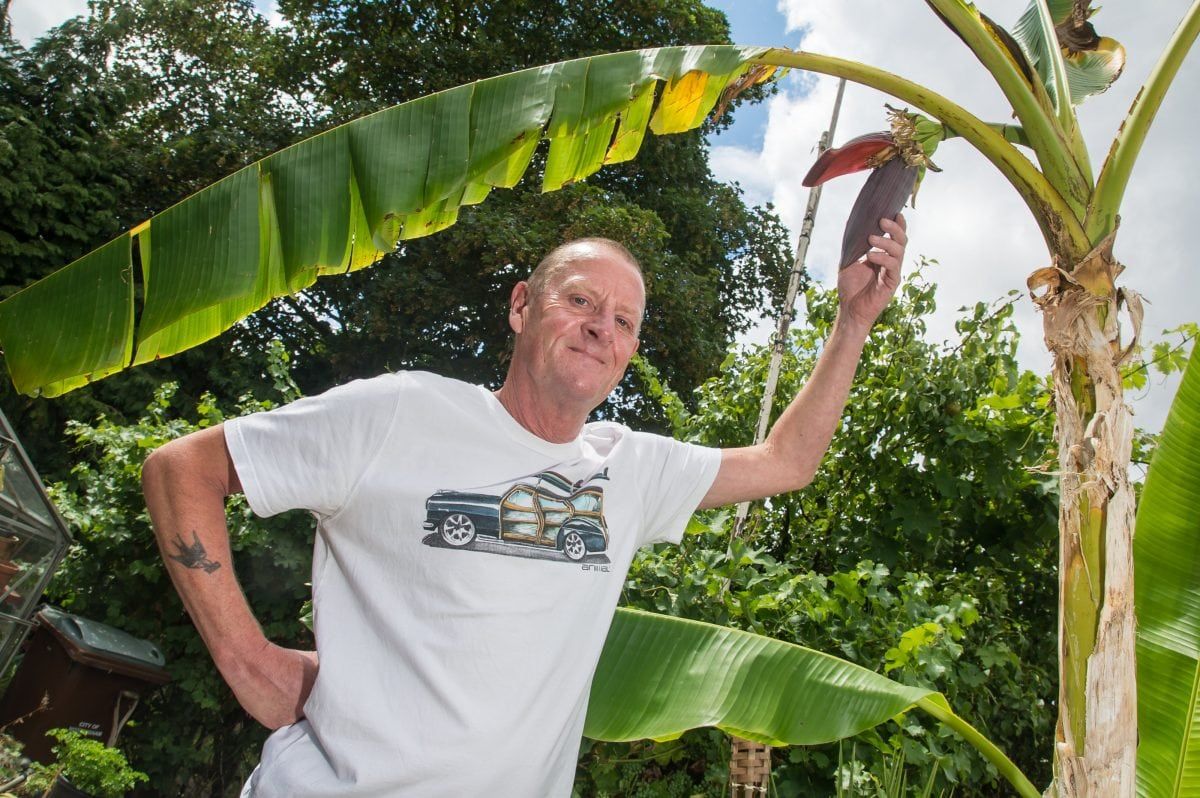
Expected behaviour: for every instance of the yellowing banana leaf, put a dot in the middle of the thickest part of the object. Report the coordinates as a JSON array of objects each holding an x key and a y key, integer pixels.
[
  {"x": 341, "y": 200},
  {"x": 1091, "y": 62},
  {"x": 1166, "y": 551},
  {"x": 659, "y": 676},
  {"x": 1093, "y": 71}
]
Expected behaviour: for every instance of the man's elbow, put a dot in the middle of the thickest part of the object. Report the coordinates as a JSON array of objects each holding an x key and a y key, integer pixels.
[
  {"x": 796, "y": 478},
  {"x": 802, "y": 479},
  {"x": 794, "y": 469},
  {"x": 154, "y": 470},
  {"x": 197, "y": 461}
]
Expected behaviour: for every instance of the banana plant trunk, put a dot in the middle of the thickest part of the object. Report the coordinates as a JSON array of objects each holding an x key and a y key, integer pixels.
[{"x": 1096, "y": 733}]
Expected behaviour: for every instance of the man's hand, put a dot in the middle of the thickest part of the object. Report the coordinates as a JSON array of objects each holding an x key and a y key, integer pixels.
[
  {"x": 866, "y": 287},
  {"x": 272, "y": 683}
]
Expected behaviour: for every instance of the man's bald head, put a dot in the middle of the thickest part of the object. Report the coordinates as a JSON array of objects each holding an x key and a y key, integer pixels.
[{"x": 562, "y": 256}]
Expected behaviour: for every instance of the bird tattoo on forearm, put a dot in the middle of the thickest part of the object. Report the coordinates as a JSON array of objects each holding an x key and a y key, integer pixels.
[{"x": 193, "y": 556}]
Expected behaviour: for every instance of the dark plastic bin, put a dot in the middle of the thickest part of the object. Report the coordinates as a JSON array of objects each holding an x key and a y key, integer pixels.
[{"x": 91, "y": 674}]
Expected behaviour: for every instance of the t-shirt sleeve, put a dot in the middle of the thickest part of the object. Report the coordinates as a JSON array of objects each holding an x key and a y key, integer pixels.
[
  {"x": 676, "y": 475},
  {"x": 310, "y": 454}
]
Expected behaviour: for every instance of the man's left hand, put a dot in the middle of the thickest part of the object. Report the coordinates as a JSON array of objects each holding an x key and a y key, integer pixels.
[{"x": 866, "y": 287}]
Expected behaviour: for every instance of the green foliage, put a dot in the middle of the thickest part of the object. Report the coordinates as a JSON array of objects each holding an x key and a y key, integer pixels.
[
  {"x": 941, "y": 458},
  {"x": 695, "y": 764},
  {"x": 61, "y": 167},
  {"x": 955, "y": 633},
  {"x": 923, "y": 549},
  {"x": 1167, "y": 549},
  {"x": 853, "y": 778},
  {"x": 88, "y": 764},
  {"x": 1168, "y": 356},
  {"x": 12, "y": 763},
  {"x": 136, "y": 106},
  {"x": 711, "y": 261},
  {"x": 192, "y": 737}
]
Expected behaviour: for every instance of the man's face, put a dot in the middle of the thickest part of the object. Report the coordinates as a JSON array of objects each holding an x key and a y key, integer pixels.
[{"x": 576, "y": 337}]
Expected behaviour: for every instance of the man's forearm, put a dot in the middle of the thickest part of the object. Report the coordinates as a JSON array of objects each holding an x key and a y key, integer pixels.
[
  {"x": 801, "y": 435},
  {"x": 789, "y": 457},
  {"x": 187, "y": 508}
]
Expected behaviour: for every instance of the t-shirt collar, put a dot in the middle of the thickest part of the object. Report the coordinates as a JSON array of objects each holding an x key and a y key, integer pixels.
[{"x": 560, "y": 451}]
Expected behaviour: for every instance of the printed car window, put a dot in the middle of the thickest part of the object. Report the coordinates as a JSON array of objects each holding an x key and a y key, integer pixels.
[
  {"x": 555, "y": 511},
  {"x": 587, "y": 501},
  {"x": 520, "y": 516}
]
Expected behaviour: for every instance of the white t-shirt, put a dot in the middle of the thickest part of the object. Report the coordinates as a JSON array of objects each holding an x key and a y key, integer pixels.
[{"x": 465, "y": 574}]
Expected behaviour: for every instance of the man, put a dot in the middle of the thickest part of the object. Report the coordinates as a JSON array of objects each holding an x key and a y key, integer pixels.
[{"x": 471, "y": 545}]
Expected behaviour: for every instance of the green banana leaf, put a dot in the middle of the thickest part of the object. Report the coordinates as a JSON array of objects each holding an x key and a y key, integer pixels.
[
  {"x": 659, "y": 676},
  {"x": 341, "y": 200},
  {"x": 1166, "y": 552},
  {"x": 1089, "y": 70}
]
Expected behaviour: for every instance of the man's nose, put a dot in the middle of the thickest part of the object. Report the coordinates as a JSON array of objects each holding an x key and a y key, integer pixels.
[{"x": 601, "y": 325}]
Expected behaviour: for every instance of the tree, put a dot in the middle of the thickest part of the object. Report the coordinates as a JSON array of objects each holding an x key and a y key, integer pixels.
[
  {"x": 941, "y": 457},
  {"x": 90, "y": 142},
  {"x": 714, "y": 261},
  {"x": 1097, "y": 737}
]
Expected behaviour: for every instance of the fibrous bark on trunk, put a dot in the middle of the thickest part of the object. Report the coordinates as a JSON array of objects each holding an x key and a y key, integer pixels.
[{"x": 1096, "y": 734}]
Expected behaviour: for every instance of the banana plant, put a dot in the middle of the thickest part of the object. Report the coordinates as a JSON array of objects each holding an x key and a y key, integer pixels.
[
  {"x": 1051, "y": 60},
  {"x": 339, "y": 201}
]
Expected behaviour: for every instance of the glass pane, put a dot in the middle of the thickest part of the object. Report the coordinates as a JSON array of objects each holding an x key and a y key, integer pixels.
[
  {"x": 586, "y": 502},
  {"x": 21, "y": 573},
  {"x": 18, "y": 490}
]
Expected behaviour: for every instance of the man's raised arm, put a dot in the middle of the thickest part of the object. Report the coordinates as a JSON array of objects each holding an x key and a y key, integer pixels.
[
  {"x": 789, "y": 457},
  {"x": 186, "y": 482}
]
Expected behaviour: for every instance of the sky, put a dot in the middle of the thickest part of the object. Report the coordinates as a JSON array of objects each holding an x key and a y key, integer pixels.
[{"x": 968, "y": 218}]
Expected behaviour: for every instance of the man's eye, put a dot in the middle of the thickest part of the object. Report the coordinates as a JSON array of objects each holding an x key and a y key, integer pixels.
[
  {"x": 624, "y": 323},
  {"x": 580, "y": 301}
]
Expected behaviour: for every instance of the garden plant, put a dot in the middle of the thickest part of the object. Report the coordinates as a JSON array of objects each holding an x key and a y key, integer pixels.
[{"x": 341, "y": 200}]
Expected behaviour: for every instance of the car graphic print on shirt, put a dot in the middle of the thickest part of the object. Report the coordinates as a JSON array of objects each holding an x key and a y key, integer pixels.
[{"x": 545, "y": 516}]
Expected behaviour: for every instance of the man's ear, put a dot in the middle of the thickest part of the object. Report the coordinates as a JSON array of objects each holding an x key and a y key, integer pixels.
[{"x": 518, "y": 306}]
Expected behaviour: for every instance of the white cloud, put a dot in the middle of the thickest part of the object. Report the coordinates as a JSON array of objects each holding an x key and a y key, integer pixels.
[
  {"x": 969, "y": 218},
  {"x": 32, "y": 18}
]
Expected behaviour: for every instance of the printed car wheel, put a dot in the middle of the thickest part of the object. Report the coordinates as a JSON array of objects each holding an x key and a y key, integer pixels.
[
  {"x": 457, "y": 529},
  {"x": 573, "y": 546}
]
